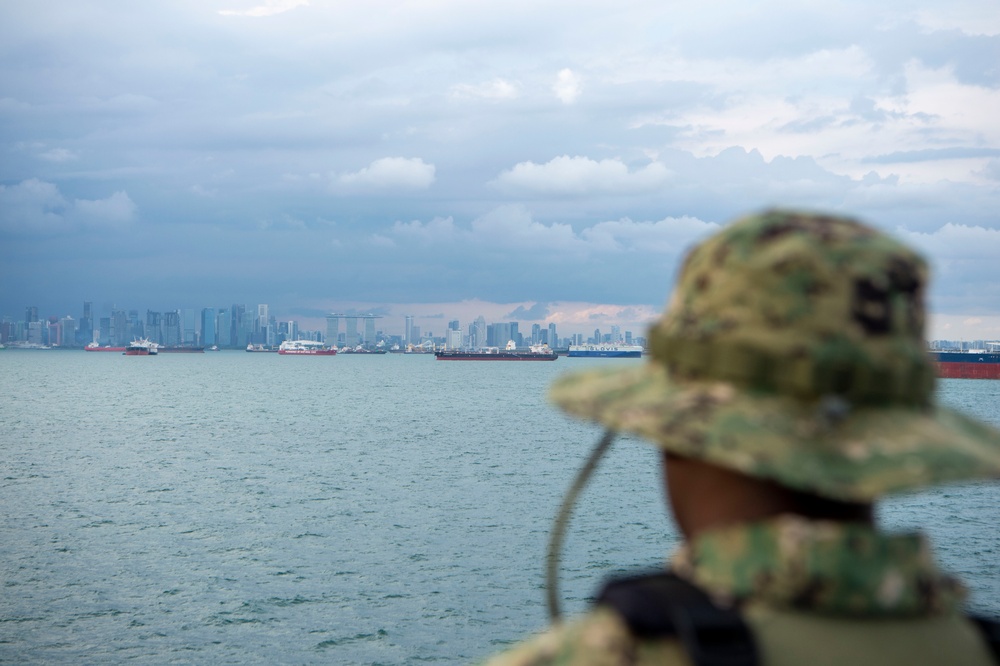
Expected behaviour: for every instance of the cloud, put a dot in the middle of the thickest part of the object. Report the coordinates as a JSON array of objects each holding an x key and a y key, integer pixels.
[
  {"x": 59, "y": 155},
  {"x": 582, "y": 176},
  {"x": 32, "y": 207},
  {"x": 537, "y": 312},
  {"x": 567, "y": 87},
  {"x": 496, "y": 90},
  {"x": 389, "y": 173},
  {"x": 35, "y": 207},
  {"x": 269, "y": 8},
  {"x": 116, "y": 210}
]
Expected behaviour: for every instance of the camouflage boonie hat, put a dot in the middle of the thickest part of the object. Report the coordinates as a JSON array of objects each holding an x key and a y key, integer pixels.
[{"x": 792, "y": 349}]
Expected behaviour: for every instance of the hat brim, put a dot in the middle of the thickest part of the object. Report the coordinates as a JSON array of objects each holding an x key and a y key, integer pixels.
[{"x": 822, "y": 446}]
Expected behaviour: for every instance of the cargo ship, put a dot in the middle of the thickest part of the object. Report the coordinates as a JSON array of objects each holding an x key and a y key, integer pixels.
[
  {"x": 182, "y": 349},
  {"x": 605, "y": 351},
  {"x": 510, "y": 353},
  {"x": 973, "y": 364},
  {"x": 305, "y": 348}
]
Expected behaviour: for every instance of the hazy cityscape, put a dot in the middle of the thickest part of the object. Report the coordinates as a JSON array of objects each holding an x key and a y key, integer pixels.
[{"x": 239, "y": 326}]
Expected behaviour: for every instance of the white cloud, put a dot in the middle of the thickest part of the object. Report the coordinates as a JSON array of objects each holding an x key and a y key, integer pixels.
[
  {"x": 59, "y": 155},
  {"x": 669, "y": 236},
  {"x": 567, "y": 87},
  {"x": 389, "y": 173},
  {"x": 580, "y": 175},
  {"x": 116, "y": 210},
  {"x": 269, "y": 8},
  {"x": 496, "y": 90}
]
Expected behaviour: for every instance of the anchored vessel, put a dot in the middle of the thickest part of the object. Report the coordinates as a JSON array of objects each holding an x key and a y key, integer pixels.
[
  {"x": 305, "y": 348},
  {"x": 510, "y": 353},
  {"x": 94, "y": 347},
  {"x": 608, "y": 351},
  {"x": 974, "y": 364},
  {"x": 141, "y": 347}
]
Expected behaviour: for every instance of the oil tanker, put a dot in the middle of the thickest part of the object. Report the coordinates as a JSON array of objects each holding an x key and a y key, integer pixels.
[{"x": 967, "y": 364}]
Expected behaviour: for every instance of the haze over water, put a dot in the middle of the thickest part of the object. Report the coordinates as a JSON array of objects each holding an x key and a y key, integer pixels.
[{"x": 251, "y": 508}]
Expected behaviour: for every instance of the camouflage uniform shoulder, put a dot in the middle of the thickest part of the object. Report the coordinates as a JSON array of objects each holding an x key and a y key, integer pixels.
[{"x": 599, "y": 638}]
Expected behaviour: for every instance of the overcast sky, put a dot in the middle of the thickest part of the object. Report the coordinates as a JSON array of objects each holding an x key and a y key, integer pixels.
[{"x": 525, "y": 159}]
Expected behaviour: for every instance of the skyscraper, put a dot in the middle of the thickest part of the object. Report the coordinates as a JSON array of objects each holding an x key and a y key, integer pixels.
[
  {"x": 332, "y": 329},
  {"x": 208, "y": 337},
  {"x": 408, "y": 332}
]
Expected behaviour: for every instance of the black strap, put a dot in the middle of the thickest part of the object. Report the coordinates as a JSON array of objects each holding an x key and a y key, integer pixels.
[
  {"x": 990, "y": 629},
  {"x": 662, "y": 605}
]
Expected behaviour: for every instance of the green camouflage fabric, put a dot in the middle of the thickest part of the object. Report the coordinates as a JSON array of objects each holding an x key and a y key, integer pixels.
[
  {"x": 821, "y": 570},
  {"x": 793, "y": 349},
  {"x": 833, "y": 568}
]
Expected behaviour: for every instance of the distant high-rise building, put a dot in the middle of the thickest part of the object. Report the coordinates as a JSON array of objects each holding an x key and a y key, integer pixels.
[
  {"x": 85, "y": 330},
  {"x": 408, "y": 331},
  {"x": 31, "y": 314},
  {"x": 477, "y": 333},
  {"x": 172, "y": 328},
  {"x": 454, "y": 339},
  {"x": 370, "y": 329},
  {"x": 332, "y": 328},
  {"x": 154, "y": 326},
  {"x": 351, "y": 337},
  {"x": 120, "y": 334},
  {"x": 616, "y": 334},
  {"x": 235, "y": 324},
  {"x": 553, "y": 339},
  {"x": 208, "y": 323},
  {"x": 262, "y": 317},
  {"x": 453, "y": 325}
]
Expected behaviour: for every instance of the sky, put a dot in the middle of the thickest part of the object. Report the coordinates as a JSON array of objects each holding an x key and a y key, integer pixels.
[{"x": 538, "y": 161}]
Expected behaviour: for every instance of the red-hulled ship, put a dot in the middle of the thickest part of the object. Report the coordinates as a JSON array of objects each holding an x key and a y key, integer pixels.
[{"x": 967, "y": 364}]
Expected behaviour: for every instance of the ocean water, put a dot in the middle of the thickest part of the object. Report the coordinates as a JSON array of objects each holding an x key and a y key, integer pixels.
[{"x": 253, "y": 508}]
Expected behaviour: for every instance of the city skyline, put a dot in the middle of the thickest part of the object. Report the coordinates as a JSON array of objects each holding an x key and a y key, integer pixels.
[
  {"x": 237, "y": 325},
  {"x": 548, "y": 161}
]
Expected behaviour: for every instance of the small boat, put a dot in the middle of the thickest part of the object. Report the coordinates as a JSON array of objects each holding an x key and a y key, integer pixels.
[
  {"x": 305, "y": 348},
  {"x": 141, "y": 347},
  {"x": 260, "y": 348},
  {"x": 510, "y": 353}
]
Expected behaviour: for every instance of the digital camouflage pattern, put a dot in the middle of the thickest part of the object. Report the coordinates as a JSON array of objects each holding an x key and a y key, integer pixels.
[
  {"x": 823, "y": 570},
  {"x": 793, "y": 349}
]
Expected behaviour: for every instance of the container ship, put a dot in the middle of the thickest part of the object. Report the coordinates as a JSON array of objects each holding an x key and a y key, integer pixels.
[
  {"x": 510, "y": 353},
  {"x": 975, "y": 364},
  {"x": 605, "y": 351}
]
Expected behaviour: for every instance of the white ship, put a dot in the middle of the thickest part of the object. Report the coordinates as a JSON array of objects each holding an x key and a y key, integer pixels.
[{"x": 606, "y": 351}]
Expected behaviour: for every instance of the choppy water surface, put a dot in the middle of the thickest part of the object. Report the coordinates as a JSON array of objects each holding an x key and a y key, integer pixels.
[{"x": 252, "y": 508}]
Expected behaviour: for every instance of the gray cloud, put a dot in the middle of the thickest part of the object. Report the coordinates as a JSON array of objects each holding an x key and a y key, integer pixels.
[{"x": 306, "y": 154}]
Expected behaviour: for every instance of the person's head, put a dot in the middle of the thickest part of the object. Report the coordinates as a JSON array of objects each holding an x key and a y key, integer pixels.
[
  {"x": 703, "y": 496},
  {"x": 790, "y": 366}
]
